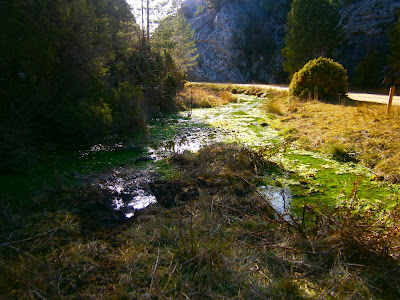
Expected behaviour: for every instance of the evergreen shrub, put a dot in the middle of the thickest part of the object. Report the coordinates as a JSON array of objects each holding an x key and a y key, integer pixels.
[
  {"x": 127, "y": 114},
  {"x": 320, "y": 78},
  {"x": 93, "y": 118}
]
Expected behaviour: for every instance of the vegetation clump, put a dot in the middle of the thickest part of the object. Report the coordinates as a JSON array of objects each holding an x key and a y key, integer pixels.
[
  {"x": 203, "y": 96},
  {"x": 320, "y": 78},
  {"x": 224, "y": 241}
]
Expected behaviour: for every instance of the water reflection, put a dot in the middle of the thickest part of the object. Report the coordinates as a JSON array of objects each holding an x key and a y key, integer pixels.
[
  {"x": 142, "y": 200},
  {"x": 130, "y": 190},
  {"x": 104, "y": 147},
  {"x": 191, "y": 139},
  {"x": 130, "y": 187},
  {"x": 279, "y": 198}
]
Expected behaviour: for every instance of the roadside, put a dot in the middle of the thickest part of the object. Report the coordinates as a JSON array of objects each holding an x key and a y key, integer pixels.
[
  {"x": 362, "y": 97},
  {"x": 382, "y": 99}
]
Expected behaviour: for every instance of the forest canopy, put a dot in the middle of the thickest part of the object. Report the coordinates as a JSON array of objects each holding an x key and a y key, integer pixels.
[{"x": 74, "y": 72}]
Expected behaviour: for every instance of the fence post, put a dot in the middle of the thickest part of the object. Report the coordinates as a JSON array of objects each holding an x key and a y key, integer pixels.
[{"x": 391, "y": 94}]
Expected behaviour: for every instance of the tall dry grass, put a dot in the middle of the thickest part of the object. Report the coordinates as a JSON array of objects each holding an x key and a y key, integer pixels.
[
  {"x": 200, "y": 97},
  {"x": 364, "y": 133}
]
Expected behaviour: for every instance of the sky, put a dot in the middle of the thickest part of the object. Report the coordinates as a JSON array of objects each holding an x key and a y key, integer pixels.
[{"x": 137, "y": 4}]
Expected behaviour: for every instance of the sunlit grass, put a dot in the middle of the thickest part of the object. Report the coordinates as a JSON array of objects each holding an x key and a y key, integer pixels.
[
  {"x": 364, "y": 133},
  {"x": 200, "y": 97}
]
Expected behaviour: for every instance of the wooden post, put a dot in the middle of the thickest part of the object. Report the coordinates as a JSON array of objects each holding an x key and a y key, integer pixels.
[
  {"x": 191, "y": 102},
  {"x": 391, "y": 94}
]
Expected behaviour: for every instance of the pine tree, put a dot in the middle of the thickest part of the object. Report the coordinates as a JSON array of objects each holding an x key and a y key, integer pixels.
[
  {"x": 395, "y": 46},
  {"x": 313, "y": 31},
  {"x": 216, "y": 4},
  {"x": 175, "y": 36}
]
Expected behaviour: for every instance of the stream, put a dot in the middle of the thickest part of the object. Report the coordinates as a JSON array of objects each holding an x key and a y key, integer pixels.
[
  {"x": 309, "y": 177},
  {"x": 240, "y": 122}
]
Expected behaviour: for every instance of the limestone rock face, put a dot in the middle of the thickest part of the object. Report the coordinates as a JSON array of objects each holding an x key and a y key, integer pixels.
[
  {"x": 223, "y": 39},
  {"x": 366, "y": 25},
  {"x": 216, "y": 33}
]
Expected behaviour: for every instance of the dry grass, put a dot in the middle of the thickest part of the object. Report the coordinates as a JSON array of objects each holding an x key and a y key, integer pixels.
[
  {"x": 364, "y": 133},
  {"x": 231, "y": 88},
  {"x": 274, "y": 104},
  {"x": 202, "y": 97},
  {"x": 224, "y": 242}
]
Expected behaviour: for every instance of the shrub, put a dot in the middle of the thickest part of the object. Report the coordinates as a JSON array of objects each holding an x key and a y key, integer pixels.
[
  {"x": 320, "y": 78},
  {"x": 93, "y": 118},
  {"x": 127, "y": 114}
]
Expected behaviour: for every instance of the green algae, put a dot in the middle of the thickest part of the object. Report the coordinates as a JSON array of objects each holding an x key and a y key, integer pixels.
[{"x": 313, "y": 177}]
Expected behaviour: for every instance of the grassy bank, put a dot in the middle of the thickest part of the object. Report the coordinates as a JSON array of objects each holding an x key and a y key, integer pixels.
[
  {"x": 204, "y": 96},
  {"x": 362, "y": 133}
]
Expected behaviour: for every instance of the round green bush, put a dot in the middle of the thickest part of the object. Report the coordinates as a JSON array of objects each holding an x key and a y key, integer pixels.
[{"x": 320, "y": 78}]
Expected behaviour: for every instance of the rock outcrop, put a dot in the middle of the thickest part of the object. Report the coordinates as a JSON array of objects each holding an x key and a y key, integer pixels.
[
  {"x": 366, "y": 25},
  {"x": 226, "y": 34},
  {"x": 216, "y": 34}
]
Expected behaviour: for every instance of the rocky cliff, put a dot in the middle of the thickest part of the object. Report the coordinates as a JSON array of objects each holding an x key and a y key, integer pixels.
[
  {"x": 216, "y": 33},
  {"x": 240, "y": 40},
  {"x": 366, "y": 25}
]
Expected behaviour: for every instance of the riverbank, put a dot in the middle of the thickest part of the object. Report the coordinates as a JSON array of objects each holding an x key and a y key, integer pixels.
[
  {"x": 215, "y": 230},
  {"x": 364, "y": 133}
]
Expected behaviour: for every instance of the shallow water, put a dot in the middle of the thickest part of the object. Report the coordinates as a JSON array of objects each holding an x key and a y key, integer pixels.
[
  {"x": 279, "y": 198},
  {"x": 242, "y": 122},
  {"x": 130, "y": 190},
  {"x": 188, "y": 138},
  {"x": 236, "y": 122},
  {"x": 130, "y": 186},
  {"x": 317, "y": 178}
]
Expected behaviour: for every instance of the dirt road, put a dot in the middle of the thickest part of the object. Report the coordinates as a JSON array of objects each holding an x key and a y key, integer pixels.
[{"x": 374, "y": 98}]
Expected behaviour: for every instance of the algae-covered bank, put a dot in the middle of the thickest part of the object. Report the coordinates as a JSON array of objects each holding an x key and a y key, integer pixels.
[
  {"x": 217, "y": 203},
  {"x": 313, "y": 177}
]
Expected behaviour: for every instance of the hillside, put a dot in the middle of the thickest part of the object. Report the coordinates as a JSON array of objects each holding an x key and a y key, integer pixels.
[{"x": 240, "y": 40}]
